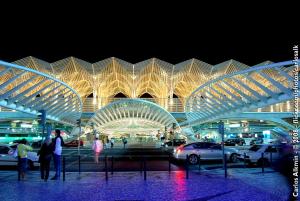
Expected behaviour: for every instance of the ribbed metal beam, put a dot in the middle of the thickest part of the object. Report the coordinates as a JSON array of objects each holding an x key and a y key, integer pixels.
[{"x": 27, "y": 90}]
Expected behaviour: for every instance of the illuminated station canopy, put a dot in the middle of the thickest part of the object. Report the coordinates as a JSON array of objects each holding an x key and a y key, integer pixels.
[
  {"x": 229, "y": 85},
  {"x": 243, "y": 91},
  {"x": 132, "y": 115},
  {"x": 106, "y": 78}
]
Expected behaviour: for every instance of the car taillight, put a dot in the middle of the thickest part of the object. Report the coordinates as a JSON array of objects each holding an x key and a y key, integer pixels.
[{"x": 178, "y": 150}]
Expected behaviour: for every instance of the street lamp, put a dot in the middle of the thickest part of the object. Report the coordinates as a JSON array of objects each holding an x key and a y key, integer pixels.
[
  {"x": 78, "y": 122},
  {"x": 221, "y": 132}
]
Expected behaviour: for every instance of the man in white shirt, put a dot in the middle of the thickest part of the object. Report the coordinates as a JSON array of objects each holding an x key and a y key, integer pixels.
[{"x": 58, "y": 143}]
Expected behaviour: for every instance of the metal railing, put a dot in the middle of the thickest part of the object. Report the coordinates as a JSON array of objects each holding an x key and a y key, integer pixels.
[
  {"x": 110, "y": 162},
  {"x": 170, "y": 104},
  {"x": 176, "y": 105}
]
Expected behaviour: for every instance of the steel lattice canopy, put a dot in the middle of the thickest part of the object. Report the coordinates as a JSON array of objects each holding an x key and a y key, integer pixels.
[
  {"x": 106, "y": 78},
  {"x": 28, "y": 90},
  {"x": 241, "y": 91},
  {"x": 132, "y": 114}
]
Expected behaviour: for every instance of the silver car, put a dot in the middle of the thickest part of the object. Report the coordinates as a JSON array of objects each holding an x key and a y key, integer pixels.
[
  {"x": 271, "y": 153},
  {"x": 204, "y": 151},
  {"x": 7, "y": 158}
]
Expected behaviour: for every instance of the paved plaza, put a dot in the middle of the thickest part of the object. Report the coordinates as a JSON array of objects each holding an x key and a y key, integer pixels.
[{"x": 241, "y": 184}]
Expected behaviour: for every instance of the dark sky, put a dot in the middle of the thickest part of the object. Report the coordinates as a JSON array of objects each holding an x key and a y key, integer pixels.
[{"x": 135, "y": 35}]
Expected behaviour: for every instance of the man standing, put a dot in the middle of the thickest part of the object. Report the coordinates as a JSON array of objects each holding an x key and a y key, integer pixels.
[
  {"x": 112, "y": 141},
  {"x": 58, "y": 143},
  {"x": 124, "y": 141}
]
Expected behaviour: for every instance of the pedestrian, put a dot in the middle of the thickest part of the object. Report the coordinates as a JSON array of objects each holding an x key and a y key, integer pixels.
[
  {"x": 161, "y": 137},
  {"x": 112, "y": 141},
  {"x": 107, "y": 143},
  {"x": 124, "y": 141},
  {"x": 58, "y": 144},
  {"x": 22, "y": 156},
  {"x": 45, "y": 154},
  {"x": 97, "y": 147}
]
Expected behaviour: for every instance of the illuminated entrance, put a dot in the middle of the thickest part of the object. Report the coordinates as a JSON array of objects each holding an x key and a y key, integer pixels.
[{"x": 134, "y": 118}]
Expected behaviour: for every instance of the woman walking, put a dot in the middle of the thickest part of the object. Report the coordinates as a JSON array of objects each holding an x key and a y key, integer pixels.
[{"x": 97, "y": 147}]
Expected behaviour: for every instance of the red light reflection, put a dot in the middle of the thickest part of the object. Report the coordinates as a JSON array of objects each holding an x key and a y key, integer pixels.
[{"x": 180, "y": 185}]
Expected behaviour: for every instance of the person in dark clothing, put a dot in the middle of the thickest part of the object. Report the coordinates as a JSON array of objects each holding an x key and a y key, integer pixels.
[
  {"x": 112, "y": 142},
  {"x": 45, "y": 154},
  {"x": 124, "y": 141}
]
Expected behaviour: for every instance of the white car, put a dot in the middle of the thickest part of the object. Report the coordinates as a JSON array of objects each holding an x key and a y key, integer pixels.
[
  {"x": 271, "y": 152},
  {"x": 204, "y": 151},
  {"x": 7, "y": 158}
]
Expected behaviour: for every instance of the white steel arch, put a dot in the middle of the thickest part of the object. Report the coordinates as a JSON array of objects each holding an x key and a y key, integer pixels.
[
  {"x": 27, "y": 90},
  {"x": 151, "y": 114},
  {"x": 242, "y": 91}
]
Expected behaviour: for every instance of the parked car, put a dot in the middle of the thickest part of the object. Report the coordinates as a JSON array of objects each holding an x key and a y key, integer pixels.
[
  {"x": 174, "y": 143},
  {"x": 73, "y": 143},
  {"x": 256, "y": 141},
  {"x": 18, "y": 141},
  {"x": 209, "y": 140},
  {"x": 36, "y": 144},
  {"x": 7, "y": 158},
  {"x": 254, "y": 154},
  {"x": 234, "y": 142},
  {"x": 204, "y": 151}
]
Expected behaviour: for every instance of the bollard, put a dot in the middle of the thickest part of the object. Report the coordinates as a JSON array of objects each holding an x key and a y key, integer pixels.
[
  {"x": 64, "y": 168},
  {"x": 244, "y": 160},
  {"x": 19, "y": 169},
  {"x": 263, "y": 163},
  {"x": 145, "y": 173},
  {"x": 169, "y": 163},
  {"x": 79, "y": 166},
  {"x": 225, "y": 165},
  {"x": 19, "y": 174},
  {"x": 141, "y": 165},
  {"x": 112, "y": 165},
  {"x": 187, "y": 166},
  {"x": 199, "y": 163},
  {"x": 105, "y": 164}
]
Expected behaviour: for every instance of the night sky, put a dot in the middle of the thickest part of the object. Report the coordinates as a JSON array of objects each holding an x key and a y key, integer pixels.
[{"x": 139, "y": 34}]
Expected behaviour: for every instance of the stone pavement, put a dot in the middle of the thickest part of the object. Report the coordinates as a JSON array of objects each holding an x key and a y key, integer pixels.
[{"x": 241, "y": 184}]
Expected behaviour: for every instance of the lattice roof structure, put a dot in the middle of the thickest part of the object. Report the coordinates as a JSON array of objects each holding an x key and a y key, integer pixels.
[
  {"x": 132, "y": 114},
  {"x": 32, "y": 90},
  {"x": 160, "y": 79},
  {"x": 240, "y": 91}
]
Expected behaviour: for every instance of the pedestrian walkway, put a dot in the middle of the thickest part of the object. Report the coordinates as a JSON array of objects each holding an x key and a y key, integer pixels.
[{"x": 241, "y": 184}]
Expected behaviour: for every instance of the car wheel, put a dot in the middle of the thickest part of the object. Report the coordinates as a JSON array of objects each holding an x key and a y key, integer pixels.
[
  {"x": 233, "y": 158},
  {"x": 30, "y": 165},
  {"x": 262, "y": 161},
  {"x": 193, "y": 159}
]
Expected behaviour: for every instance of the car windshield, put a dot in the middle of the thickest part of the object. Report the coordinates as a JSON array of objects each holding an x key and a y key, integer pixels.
[{"x": 255, "y": 148}]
